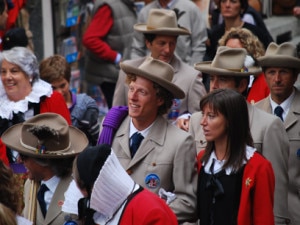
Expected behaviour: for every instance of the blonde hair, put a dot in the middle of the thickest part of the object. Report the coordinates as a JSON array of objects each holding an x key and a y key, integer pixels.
[
  {"x": 7, "y": 216},
  {"x": 248, "y": 40}
]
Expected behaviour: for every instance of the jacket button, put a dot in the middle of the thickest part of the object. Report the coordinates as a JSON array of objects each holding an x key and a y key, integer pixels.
[{"x": 129, "y": 172}]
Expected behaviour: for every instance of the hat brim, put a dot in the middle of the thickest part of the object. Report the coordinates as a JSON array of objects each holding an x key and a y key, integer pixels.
[
  {"x": 176, "y": 91},
  {"x": 12, "y": 136},
  {"x": 163, "y": 31},
  {"x": 205, "y": 67},
  {"x": 279, "y": 61}
]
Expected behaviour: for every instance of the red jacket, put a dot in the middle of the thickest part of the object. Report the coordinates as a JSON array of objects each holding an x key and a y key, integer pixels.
[
  {"x": 259, "y": 89},
  {"x": 257, "y": 195},
  {"x": 148, "y": 209}
]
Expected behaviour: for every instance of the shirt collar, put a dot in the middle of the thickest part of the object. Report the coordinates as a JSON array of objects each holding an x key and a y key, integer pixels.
[
  {"x": 52, "y": 183},
  {"x": 286, "y": 104},
  {"x": 132, "y": 130},
  {"x": 220, "y": 163}
]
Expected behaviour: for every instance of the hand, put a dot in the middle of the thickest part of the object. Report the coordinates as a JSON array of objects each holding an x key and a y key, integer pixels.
[
  {"x": 183, "y": 123},
  {"x": 296, "y": 11}
]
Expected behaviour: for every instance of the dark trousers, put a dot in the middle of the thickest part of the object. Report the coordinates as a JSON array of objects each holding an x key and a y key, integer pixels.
[{"x": 108, "y": 90}]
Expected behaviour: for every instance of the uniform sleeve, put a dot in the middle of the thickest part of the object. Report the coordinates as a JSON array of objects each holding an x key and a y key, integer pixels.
[
  {"x": 276, "y": 149},
  {"x": 196, "y": 92},
  {"x": 185, "y": 181},
  {"x": 56, "y": 104}
]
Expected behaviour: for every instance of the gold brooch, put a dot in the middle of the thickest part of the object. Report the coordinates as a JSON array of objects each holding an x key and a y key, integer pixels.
[{"x": 248, "y": 182}]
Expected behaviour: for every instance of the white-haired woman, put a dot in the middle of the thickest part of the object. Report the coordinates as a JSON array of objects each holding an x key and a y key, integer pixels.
[{"x": 22, "y": 93}]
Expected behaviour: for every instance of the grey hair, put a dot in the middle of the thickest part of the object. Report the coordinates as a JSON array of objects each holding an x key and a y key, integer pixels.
[{"x": 24, "y": 58}]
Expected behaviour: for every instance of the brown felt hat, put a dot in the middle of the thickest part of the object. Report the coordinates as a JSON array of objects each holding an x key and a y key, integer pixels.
[
  {"x": 162, "y": 21},
  {"x": 230, "y": 62},
  {"x": 157, "y": 71},
  {"x": 47, "y": 135},
  {"x": 283, "y": 55}
]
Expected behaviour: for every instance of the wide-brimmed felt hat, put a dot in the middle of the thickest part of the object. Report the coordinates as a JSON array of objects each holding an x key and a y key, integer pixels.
[
  {"x": 157, "y": 71},
  {"x": 46, "y": 135},
  {"x": 283, "y": 55},
  {"x": 231, "y": 62},
  {"x": 163, "y": 22}
]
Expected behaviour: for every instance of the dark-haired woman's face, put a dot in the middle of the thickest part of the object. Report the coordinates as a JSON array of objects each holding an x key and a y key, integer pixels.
[
  {"x": 213, "y": 125},
  {"x": 230, "y": 8}
]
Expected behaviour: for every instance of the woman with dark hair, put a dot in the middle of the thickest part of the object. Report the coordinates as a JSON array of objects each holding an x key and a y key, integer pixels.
[{"x": 236, "y": 184}]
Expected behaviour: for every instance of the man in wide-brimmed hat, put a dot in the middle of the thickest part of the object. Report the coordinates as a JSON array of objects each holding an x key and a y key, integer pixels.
[
  {"x": 191, "y": 48},
  {"x": 47, "y": 146},
  {"x": 156, "y": 154},
  {"x": 231, "y": 68},
  {"x": 161, "y": 33},
  {"x": 281, "y": 66}
]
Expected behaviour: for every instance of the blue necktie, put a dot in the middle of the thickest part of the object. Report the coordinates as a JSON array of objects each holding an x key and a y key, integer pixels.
[
  {"x": 41, "y": 199},
  {"x": 136, "y": 141},
  {"x": 278, "y": 112}
]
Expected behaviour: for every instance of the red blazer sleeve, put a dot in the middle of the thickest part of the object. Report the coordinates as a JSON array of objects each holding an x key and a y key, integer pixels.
[
  {"x": 3, "y": 155},
  {"x": 199, "y": 157},
  {"x": 56, "y": 104},
  {"x": 257, "y": 197}
]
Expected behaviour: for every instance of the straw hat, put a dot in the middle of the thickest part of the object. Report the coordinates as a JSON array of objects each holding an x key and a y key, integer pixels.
[
  {"x": 161, "y": 21},
  {"x": 157, "y": 71},
  {"x": 46, "y": 135},
  {"x": 230, "y": 62},
  {"x": 283, "y": 55}
]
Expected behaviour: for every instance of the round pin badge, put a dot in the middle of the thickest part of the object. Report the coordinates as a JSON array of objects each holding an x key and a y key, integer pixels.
[{"x": 152, "y": 181}]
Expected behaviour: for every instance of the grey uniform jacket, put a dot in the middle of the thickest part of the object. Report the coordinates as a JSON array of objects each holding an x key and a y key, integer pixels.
[
  {"x": 190, "y": 48},
  {"x": 54, "y": 214},
  {"x": 185, "y": 76},
  {"x": 270, "y": 139},
  {"x": 292, "y": 126},
  {"x": 165, "y": 159}
]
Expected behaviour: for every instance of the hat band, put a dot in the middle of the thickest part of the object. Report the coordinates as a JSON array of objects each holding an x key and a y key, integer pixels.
[
  {"x": 43, "y": 151},
  {"x": 244, "y": 69},
  {"x": 151, "y": 28}
]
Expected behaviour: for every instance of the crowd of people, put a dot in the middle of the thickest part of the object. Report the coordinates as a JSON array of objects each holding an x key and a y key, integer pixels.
[{"x": 203, "y": 126}]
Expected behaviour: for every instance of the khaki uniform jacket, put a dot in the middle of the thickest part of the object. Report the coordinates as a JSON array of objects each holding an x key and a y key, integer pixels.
[
  {"x": 292, "y": 126},
  {"x": 185, "y": 76},
  {"x": 54, "y": 214},
  {"x": 271, "y": 140},
  {"x": 168, "y": 156}
]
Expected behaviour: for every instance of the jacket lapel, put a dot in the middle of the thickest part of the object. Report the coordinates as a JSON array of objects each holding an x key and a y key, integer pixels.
[
  {"x": 122, "y": 136},
  {"x": 293, "y": 115},
  {"x": 156, "y": 137},
  {"x": 57, "y": 200}
]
